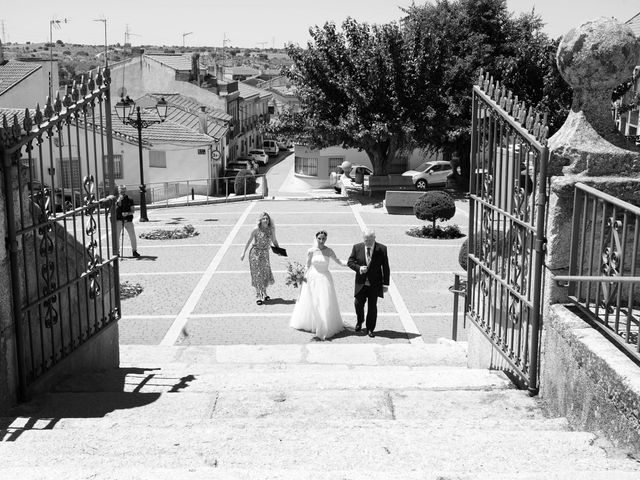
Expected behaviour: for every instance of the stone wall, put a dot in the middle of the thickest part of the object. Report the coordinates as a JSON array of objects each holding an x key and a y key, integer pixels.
[
  {"x": 8, "y": 362},
  {"x": 587, "y": 379}
]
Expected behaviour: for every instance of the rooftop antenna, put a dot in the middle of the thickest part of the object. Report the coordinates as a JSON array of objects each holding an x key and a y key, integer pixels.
[
  {"x": 127, "y": 35},
  {"x": 184, "y": 35},
  {"x": 104, "y": 20},
  {"x": 53, "y": 23},
  {"x": 4, "y": 34}
]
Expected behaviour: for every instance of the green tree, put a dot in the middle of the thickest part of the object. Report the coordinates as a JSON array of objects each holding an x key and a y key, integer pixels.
[
  {"x": 452, "y": 40},
  {"x": 352, "y": 89}
]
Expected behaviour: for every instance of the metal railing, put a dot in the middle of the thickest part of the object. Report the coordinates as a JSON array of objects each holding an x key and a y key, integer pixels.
[
  {"x": 459, "y": 289},
  {"x": 603, "y": 269},
  {"x": 201, "y": 191}
]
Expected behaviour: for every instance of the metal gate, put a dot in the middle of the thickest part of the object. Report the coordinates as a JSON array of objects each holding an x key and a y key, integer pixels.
[
  {"x": 60, "y": 231},
  {"x": 508, "y": 195}
]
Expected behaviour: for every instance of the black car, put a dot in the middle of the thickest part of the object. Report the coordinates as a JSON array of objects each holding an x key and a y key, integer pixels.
[
  {"x": 64, "y": 200},
  {"x": 232, "y": 170}
]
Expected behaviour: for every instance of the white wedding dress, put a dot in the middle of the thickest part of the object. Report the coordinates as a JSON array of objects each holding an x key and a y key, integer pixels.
[{"x": 317, "y": 308}]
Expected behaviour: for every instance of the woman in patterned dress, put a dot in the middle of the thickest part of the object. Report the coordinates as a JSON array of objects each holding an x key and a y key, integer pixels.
[{"x": 261, "y": 237}]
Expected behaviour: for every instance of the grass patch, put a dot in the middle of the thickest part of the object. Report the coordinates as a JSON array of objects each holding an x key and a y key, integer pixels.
[
  {"x": 163, "y": 234},
  {"x": 130, "y": 290},
  {"x": 427, "y": 231}
]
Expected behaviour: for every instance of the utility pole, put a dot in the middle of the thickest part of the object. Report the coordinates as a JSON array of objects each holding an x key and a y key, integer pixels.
[
  {"x": 184, "y": 35},
  {"x": 104, "y": 20},
  {"x": 52, "y": 23}
]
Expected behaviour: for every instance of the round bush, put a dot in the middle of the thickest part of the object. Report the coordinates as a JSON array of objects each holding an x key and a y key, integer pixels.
[
  {"x": 463, "y": 253},
  {"x": 433, "y": 206},
  {"x": 245, "y": 177}
]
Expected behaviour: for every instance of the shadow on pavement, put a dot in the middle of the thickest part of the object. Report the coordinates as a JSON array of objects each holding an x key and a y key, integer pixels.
[
  {"x": 279, "y": 301},
  {"x": 90, "y": 395}
]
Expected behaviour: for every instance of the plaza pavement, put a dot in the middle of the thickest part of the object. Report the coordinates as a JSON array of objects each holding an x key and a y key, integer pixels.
[{"x": 198, "y": 292}]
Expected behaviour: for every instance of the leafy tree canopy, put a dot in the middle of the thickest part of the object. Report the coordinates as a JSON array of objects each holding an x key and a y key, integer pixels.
[
  {"x": 384, "y": 88},
  {"x": 352, "y": 88}
]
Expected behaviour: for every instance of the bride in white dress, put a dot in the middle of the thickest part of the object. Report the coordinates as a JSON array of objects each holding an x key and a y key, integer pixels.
[{"x": 317, "y": 309}]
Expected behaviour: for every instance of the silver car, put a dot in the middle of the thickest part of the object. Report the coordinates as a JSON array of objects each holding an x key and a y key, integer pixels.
[{"x": 428, "y": 174}]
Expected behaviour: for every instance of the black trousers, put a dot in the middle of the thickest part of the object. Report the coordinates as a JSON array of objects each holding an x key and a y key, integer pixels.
[{"x": 367, "y": 294}]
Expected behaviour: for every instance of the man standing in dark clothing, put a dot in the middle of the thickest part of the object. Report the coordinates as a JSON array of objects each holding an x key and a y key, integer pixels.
[{"x": 124, "y": 219}]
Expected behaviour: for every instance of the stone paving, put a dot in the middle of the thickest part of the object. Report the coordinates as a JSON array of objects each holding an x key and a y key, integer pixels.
[{"x": 198, "y": 292}]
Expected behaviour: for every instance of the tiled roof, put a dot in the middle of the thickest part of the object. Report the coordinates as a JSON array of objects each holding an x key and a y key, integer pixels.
[
  {"x": 176, "y": 62},
  {"x": 168, "y": 132},
  {"x": 244, "y": 71},
  {"x": 192, "y": 105},
  {"x": 187, "y": 118},
  {"x": 634, "y": 23},
  {"x": 247, "y": 91},
  {"x": 13, "y": 72},
  {"x": 10, "y": 112}
]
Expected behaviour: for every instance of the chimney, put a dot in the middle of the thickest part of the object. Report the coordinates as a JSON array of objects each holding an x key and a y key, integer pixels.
[
  {"x": 203, "y": 120},
  {"x": 195, "y": 67}
]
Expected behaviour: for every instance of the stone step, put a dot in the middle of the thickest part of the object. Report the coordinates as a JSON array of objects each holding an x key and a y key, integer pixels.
[
  {"x": 72, "y": 471},
  {"x": 444, "y": 353},
  {"x": 316, "y": 444},
  {"x": 202, "y": 378},
  {"x": 452, "y": 409}
]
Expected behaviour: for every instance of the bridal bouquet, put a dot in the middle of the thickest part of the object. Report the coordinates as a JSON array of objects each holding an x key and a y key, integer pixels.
[{"x": 295, "y": 274}]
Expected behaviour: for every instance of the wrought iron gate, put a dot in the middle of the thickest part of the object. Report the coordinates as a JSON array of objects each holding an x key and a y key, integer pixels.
[
  {"x": 508, "y": 195},
  {"x": 60, "y": 235}
]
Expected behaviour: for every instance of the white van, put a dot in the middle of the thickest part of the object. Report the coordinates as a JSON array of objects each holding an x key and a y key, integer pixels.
[{"x": 270, "y": 147}]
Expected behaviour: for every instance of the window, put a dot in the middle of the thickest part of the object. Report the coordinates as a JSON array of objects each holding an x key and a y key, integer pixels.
[
  {"x": 70, "y": 173},
  {"x": 117, "y": 166},
  {"x": 157, "y": 159},
  {"x": 306, "y": 166},
  {"x": 335, "y": 162}
]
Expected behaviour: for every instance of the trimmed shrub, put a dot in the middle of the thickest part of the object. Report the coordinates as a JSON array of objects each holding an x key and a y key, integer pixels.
[
  {"x": 463, "y": 253},
  {"x": 433, "y": 206},
  {"x": 245, "y": 177}
]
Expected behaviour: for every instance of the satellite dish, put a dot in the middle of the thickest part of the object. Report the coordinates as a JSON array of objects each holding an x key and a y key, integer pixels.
[{"x": 122, "y": 92}]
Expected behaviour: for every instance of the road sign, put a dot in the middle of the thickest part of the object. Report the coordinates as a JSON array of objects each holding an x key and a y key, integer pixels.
[{"x": 215, "y": 155}]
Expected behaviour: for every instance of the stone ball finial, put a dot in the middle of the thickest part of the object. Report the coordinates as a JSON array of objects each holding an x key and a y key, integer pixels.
[{"x": 598, "y": 54}]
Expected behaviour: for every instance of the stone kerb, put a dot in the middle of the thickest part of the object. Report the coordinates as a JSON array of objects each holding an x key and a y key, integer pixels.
[{"x": 593, "y": 58}]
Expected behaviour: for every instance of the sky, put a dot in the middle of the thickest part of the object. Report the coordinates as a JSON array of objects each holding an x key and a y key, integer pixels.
[{"x": 244, "y": 23}]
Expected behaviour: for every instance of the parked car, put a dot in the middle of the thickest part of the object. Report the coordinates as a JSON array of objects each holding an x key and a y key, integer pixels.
[
  {"x": 430, "y": 174},
  {"x": 259, "y": 156},
  {"x": 356, "y": 172},
  {"x": 270, "y": 147},
  {"x": 63, "y": 202},
  {"x": 232, "y": 170}
]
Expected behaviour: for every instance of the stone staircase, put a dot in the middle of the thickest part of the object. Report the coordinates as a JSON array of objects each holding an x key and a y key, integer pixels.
[{"x": 316, "y": 411}]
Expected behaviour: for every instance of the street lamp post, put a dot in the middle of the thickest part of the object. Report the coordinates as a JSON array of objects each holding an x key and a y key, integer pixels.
[{"x": 124, "y": 110}]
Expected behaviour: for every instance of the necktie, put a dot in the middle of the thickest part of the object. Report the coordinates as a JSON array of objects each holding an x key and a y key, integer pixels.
[{"x": 368, "y": 255}]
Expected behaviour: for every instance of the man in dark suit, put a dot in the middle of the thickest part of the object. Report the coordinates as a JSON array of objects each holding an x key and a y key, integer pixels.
[{"x": 370, "y": 262}]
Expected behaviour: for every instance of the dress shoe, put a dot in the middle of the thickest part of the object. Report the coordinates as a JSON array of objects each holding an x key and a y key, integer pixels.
[
  {"x": 358, "y": 327},
  {"x": 371, "y": 334},
  {"x": 136, "y": 254}
]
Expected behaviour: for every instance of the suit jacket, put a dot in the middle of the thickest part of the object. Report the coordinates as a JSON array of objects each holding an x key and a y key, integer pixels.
[{"x": 378, "y": 272}]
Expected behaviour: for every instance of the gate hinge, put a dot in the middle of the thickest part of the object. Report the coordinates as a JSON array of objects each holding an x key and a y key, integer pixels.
[{"x": 541, "y": 244}]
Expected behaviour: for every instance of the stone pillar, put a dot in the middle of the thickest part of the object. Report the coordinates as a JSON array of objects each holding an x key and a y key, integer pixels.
[
  {"x": 583, "y": 376},
  {"x": 8, "y": 366},
  {"x": 593, "y": 58}
]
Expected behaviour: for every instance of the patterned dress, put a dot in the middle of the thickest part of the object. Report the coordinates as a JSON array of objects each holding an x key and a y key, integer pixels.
[{"x": 261, "y": 275}]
